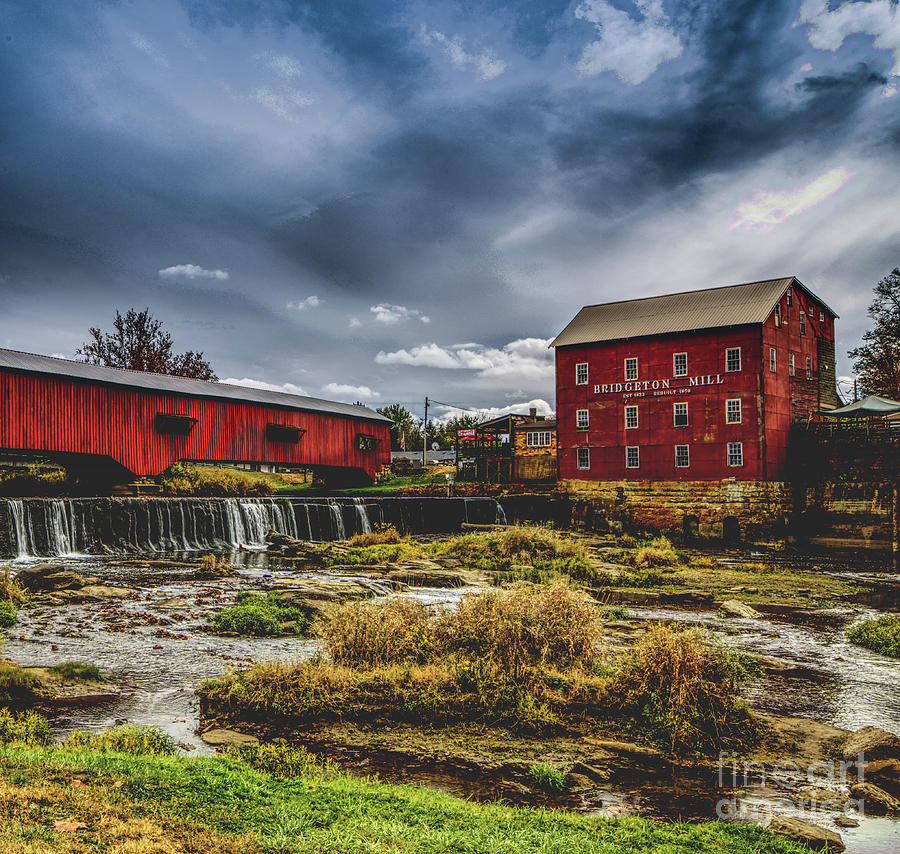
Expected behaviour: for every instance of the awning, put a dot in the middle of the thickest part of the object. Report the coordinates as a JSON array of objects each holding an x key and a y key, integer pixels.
[{"x": 871, "y": 405}]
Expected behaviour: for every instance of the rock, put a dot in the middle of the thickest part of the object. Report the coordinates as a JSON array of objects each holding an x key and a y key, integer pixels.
[
  {"x": 218, "y": 737},
  {"x": 65, "y": 579},
  {"x": 687, "y": 597},
  {"x": 103, "y": 591},
  {"x": 421, "y": 576},
  {"x": 817, "y": 838},
  {"x": 886, "y": 773},
  {"x": 821, "y": 799},
  {"x": 579, "y": 781},
  {"x": 873, "y": 743},
  {"x": 38, "y": 577},
  {"x": 876, "y": 801},
  {"x": 846, "y": 821},
  {"x": 736, "y": 608},
  {"x": 592, "y": 772}
]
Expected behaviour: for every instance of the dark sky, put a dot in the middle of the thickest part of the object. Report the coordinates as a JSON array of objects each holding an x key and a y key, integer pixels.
[{"x": 379, "y": 200}]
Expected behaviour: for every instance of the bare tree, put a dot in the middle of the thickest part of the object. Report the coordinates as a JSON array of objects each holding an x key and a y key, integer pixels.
[{"x": 139, "y": 343}]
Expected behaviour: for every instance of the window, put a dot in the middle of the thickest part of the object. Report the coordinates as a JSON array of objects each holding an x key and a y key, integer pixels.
[
  {"x": 631, "y": 369},
  {"x": 537, "y": 439},
  {"x": 790, "y": 297},
  {"x": 735, "y": 453},
  {"x": 632, "y": 457},
  {"x": 631, "y": 417},
  {"x": 581, "y": 419},
  {"x": 581, "y": 373},
  {"x": 733, "y": 359},
  {"x": 584, "y": 458},
  {"x": 808, "y": 365},
  {"x": 772, "y": 362},
  {"x": 821, "y": 317},
  {"x": 791, "y": 369},
  {"x": 733, "y": 411},
  {"x": 778, "y": 314},
  {"x": 175, "y": 425},
  {"x": 679, "y": 365},
  {"x": 286, "y": 433},
  {"x": 367, "y": 443},
  {"x": 681, "y": 414},
  {"x": 802, "y": 324},
  {"x": 682, "y": 456}
]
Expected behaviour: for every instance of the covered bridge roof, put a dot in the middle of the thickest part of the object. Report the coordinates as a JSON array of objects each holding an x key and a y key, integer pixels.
[
  {"x": 36, "y": 364},
  {"x": 733, "y": 305}
]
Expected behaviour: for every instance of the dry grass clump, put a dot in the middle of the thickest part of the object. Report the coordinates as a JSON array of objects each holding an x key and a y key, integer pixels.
[
  {"x": 524, "y": 627},
  {"x": 659, "y": 552},
  {"x": 213, "y": 567},
  {"x": 369, "y": 633},
  {"x": 382, "y": 535},
  {"x": 10, "y": 591},
  {"x": 683, "y": 689},
  {"x": 210, "y": 482}
]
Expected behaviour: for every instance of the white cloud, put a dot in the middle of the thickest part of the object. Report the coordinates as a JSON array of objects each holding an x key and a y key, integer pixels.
[
  {"x": 147, "y": 47},
  {"x": 487, "y": 64},
  {"x": 524, "y": 360},
  {"x": 543, "y": 408},
  {"x": 192, "y": 271},
  {"x": 287, "y": 388},
  {"x": 284, "y": 66},
  {"x": 386, "y": 313},
  {"x": 828, "y": 28},
  {"x": 284, "y": 102},
  {"x": 355, "y": 322},
  {"x": 632, "y": 49},
  {"x": 770, "y": 208},
  {"x": 304, "y": 304},
  {"x": 361, "y": 392},
  {"x": 889, "y": 91}
]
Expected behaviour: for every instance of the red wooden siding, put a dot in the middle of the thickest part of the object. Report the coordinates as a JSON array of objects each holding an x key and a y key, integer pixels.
[{"x": 61, "y": 415}]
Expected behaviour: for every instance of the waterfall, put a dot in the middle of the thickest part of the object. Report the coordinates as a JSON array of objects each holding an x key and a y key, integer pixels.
[
  {"x": 500, "y": 518},
  {"x": 59, "y": 527},
  {"x": 338, "y": 516},
  {"x": 23, "y": 542},
  {"x": 365, "y": 526}
]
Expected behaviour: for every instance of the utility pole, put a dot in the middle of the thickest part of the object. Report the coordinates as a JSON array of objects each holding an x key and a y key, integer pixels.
[
  {"x": 855, "y": 392},
  {"x": 425, "y": 437}
]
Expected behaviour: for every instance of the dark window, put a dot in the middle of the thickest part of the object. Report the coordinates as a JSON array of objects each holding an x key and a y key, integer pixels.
[
  {"x": 681, "y": 414},
  {"x": 176, "y": 425},
  {"x": 285, "y": 433},
  {"x": 367, "y": 443}
]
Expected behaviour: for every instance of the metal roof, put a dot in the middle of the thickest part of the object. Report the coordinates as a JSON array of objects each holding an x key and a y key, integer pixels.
[
  {"x": 733, "y": 305},
  {"x": 36, "y": 364},
  {"x": 871, "y": 405}
]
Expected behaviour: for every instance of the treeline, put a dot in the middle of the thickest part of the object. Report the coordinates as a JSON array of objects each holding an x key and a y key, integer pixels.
[{"x": 407, "y": 432}]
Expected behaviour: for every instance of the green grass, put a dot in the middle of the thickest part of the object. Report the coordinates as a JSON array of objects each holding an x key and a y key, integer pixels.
[
  {"x": 220, "y": 798},
  {"x": 125, "y": 738},
  {"x": 17, "y": 686},
  {"x": 547, "y": 777},
  {"x": 261, "y": 615},
  {"x": 76, "y": 671},
  {"x": 7, "y": 614},
  {"x": 881, "y": 635},
  {"x": 210, "y": 481}
]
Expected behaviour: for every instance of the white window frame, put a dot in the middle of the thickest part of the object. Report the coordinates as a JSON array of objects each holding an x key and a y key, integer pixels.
[
  {"x": 735, "y": 451},
  {"x": 802, "y": 323},
  {"x": 821, "y": 317},
  {"x": 792, "y": 365},
  {"x": 631, "y": 409},
  {"x": 585, "y": 463},
  {"x": 687, "y": 457},
  {"x": 773, "y": 360},
  {"x": 728, "y": 413},
  {"x": 582, "y": 419},
  {"x": 630, "y": 362},
  {"x": 675, "y": 371},
  {"x": 729, "y": 350},
  {"x": 538, "y": 439},
  {"x": 637, "y": 456},
  {"x": 687, "y": 418},
  {"x": 778, "y": 320},
  {"x": 578, "y": 379},
  {"x": 790, "y": 297}
]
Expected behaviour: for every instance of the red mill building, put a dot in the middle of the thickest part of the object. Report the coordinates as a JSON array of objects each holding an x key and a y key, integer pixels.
[{"x": 696, "y": 386}]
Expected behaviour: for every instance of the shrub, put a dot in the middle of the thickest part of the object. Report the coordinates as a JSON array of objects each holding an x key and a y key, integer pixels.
[
  {"x": 368, "y": 633},
  {"x": 547, "y": 777},
  {"x": 7, "y": 614},
  {"x": 27, "y": 728},
  {"x": 261, "y": 615},
  {"x": 881, "y": 635},
  {"x": 524, "y": 627},
  {"x": 658, "y": 553},
  {"x": 18, "y": 686},
  {"x": 37, "y": 481},
  {"x": 10, "y": 590},
  {"x": 285, "y": 760},
  {"x": 376, "y": 554},
  {"x": 210, "y": 482},
  {"x": 126, "y": 738},
  {"x": 684, "y": 689},
  {"x": 384, "y": 534},
  {"x": 76, "y": 671}
]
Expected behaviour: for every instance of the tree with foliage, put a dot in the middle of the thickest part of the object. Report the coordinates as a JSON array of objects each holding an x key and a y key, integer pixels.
[
  {"x": 877, "y": 361},
  {"x": 406, "y": 429},
  {"x": 139, "y": 343}
]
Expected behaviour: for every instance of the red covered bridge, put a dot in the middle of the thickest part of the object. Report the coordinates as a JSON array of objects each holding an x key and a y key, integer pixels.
[{"x": 85, "y": 415}]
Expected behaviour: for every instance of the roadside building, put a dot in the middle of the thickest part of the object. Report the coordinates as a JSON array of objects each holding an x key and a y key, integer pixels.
[
  {"x": 694, "y": 386},
  {"x": 509, "y": 449}
]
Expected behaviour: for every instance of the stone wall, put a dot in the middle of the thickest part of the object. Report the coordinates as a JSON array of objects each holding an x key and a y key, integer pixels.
[{"x": 755, "y": 511}]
